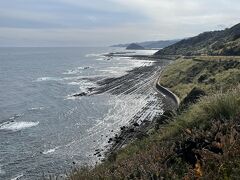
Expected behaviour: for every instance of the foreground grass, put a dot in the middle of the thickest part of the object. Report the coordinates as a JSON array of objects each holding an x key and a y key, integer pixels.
[{"x": 202, "y": 141}]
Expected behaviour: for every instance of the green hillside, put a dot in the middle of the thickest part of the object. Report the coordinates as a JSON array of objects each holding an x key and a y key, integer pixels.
[{"x": 225, "y": 42}]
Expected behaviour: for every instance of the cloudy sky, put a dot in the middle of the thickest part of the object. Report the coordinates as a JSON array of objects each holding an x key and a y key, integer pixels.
[{"x": 106, "y": 22}]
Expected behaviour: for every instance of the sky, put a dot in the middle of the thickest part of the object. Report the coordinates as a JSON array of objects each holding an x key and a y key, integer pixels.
[{"x": 107, "y": 22}]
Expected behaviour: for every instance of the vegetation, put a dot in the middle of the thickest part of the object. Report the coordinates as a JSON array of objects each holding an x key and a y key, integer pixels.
[
  {"x": 200, "y": 141},
  {"x": 208, "y": 73},
  {"x": 226, "y": 42}
]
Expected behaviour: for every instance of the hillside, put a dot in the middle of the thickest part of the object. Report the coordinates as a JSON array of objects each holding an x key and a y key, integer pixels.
[
  {"x": 225, "y": 42},
  {"x": 151, "y": 44}
]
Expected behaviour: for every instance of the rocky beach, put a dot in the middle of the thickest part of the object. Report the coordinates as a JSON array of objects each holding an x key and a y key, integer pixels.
[{"x": 143, "y": 81}]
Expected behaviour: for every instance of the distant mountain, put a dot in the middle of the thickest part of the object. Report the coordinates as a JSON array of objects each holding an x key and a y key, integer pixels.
[
  {"x": 120, "y": 45},
  {"x": 134, "y": 46},
  {"x": 151, "y": 44},
  {"x": 157, "y": 44},
  {"x": 225, "y": 42}
]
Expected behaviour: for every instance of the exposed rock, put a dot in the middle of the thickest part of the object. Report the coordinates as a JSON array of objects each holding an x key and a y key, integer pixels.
[
  {"x": 90, "y": 89},
  {"x": 131, "y": 130},
  {"x": 123, "y": 128},
  {"x": 135, "y": 124},
  {"x": 80, "y": 94}
]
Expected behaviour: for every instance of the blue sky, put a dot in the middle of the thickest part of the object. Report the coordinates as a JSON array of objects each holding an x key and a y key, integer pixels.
[{"x": 105, "y": 22}]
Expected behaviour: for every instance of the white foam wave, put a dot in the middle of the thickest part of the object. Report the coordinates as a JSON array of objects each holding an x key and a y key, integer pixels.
[
  {"x": 78, "y": 70},
  {"x": 139, "y": 63},
  {"x": 71, "y": 97},
  {"x": 49, "y": 79},
  {"x": 17, "y": 177},
  {"x": 16, "y": 126},
  {"x": 70, "y": 72},
  {"x": 93, "y": 55},
  {"x": 16, "y": 116},
  {"x": 36, "y": 108},
  {"x": 84, "y": 85},
  {"x": 84, "y": 68},
  {"x": 50, "y": 151},
  {"x": 75, "y": 83},
  {"x": 100, "y": 59}
]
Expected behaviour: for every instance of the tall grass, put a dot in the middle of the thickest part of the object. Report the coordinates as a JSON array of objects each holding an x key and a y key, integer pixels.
[{"x": 222, "y": 106}]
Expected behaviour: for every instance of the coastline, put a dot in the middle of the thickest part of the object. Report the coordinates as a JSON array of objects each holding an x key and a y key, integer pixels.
[{"x": 137, "y": 130}]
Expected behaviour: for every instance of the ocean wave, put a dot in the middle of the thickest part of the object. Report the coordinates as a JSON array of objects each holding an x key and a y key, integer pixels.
[
  {"x": 48, "y": 79},
  {"x": 85, "y": 86},
  {"x": 16, "y": 116},
  {"x": 93, "y": 55},
  {"x": 139, "y": 63},
  {"x": 17, "y": 126},
  {"x": 100, "y": 59},
  {"x": 36, "y": 108},
  {"x": 71, "y": 97},
  {"x": 75, "y": 83},
  {"x": 78, "y": 70},
  {"x": 49, "y": 151},
  {"x": 17, "y": 177},
  {"x": 70, "y": 72}
]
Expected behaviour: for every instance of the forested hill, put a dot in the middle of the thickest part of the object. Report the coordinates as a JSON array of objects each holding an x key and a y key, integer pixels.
[{"x": 225, "y": 42}]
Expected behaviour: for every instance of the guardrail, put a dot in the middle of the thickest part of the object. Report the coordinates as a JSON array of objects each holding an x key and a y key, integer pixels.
[{"x": 167, "y": 92}]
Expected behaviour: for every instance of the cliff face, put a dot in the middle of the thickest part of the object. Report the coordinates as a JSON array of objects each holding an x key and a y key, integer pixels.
[
  {"x": 225, "y": 42},
  {"x": 134, "y": 46}
]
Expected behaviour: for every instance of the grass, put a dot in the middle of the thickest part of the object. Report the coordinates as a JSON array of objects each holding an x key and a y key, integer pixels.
[
  {"x": 210, "y": 74},
  {"x": 201, "y": 142},
  {"x": 218, "y": 106}
]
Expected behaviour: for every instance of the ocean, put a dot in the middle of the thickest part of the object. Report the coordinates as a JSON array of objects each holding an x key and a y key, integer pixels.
[{"x": 46, "y": 126}]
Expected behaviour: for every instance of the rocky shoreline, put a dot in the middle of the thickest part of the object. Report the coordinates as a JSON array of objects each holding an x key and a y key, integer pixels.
[
  {"x": 137, "y": 129},
  {"x": 143, "y": 81}
]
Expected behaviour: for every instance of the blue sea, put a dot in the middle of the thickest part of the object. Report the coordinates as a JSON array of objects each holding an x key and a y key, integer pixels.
[{"x": 44, "y": 128}]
